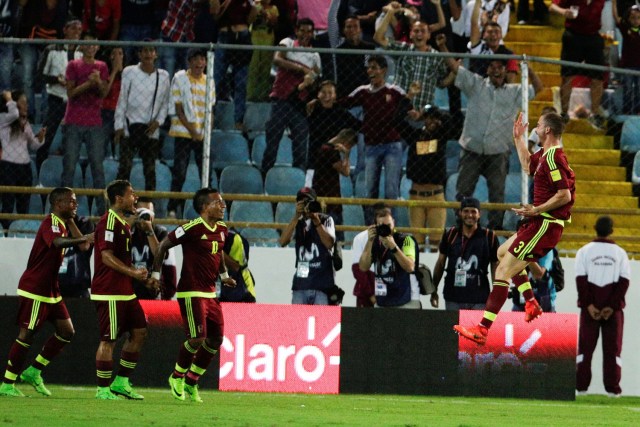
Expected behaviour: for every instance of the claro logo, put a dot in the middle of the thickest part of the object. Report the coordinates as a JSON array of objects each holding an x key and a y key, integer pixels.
[{"x": 280, "y": 348}]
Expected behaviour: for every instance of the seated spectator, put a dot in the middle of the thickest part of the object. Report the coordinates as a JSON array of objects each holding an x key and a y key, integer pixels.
[
  {"x": 262, "y": 35},
  {"x": 17, "y": 139},
  {"x": 491, "y": 43}
]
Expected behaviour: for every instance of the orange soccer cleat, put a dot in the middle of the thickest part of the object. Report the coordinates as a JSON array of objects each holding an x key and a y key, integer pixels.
[
  {"x": 532, "y": 310},
  {"x": 477, "y": 333}
]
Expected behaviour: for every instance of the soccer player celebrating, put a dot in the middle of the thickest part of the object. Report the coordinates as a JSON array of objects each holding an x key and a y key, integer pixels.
[
  {"x": 202, "y": 242},
  {"x": 39, "y": 294},
  {"x": 553, "y": 197},
  {"x": 112, "y": 291}
]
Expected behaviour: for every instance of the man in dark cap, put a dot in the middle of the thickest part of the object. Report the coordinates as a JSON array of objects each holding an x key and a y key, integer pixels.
[
  {"x": 314, "y": 233},
  {"x": 467, "y": 250}
]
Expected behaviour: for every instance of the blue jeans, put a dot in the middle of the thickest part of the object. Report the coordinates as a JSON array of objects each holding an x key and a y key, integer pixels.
[
  {"x": 29, "y": 56},
  {"x": 136, "y": 33},
  {"x": 309, "y": 297},
  {"x": 286, "y": 114},
  {"x": 94, "y": 140},
  {"x": 171, "y": 58},
  {"x": 6, "y": 65},
  {"x": 239, "y": 60},
  {"x": 631, "y": 99},
  {"x": 388, "y": 155}
]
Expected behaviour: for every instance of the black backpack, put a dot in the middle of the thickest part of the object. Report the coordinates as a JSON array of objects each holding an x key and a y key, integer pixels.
[{"x": 557, "y": 271}]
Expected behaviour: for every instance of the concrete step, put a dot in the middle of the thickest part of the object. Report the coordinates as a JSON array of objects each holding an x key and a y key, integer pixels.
[
  {"x": 604, "y": 188},
  {"x": 535, "y": 109},
  {"x": 582, "y": 126},
  {"x": 583, "y": 156},
  {"x": 582, "y": 141},
  {"x": 533, "y": 48},
  {"x": 530, "y": 33},
  {"x": 583, "y": 222},
  {"x": 605, "y": 201},
  {"x": 599, "y": 173},
  {"x": 632, "y": 248},
  {"x": 549, "y": 80},
  {"x": 545, "y": 96}
]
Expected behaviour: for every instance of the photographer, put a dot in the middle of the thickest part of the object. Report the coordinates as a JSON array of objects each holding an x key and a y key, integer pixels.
[
  {"x": 393, "y": 255},
  {"x": 314, "y": 234},
  {"x": 145, "y": 238}
]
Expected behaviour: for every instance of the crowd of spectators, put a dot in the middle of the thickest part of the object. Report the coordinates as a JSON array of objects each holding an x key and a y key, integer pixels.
[{"x": 116, "y": 100}]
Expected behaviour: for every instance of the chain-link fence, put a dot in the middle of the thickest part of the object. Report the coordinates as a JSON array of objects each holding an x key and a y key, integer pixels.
[{"x": 332, "y": 119}]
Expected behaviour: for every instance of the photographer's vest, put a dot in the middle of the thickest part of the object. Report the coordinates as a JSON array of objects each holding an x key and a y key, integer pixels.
[
  {"x": 314, "y": 265},
  {"x": 387, "y": 269}
]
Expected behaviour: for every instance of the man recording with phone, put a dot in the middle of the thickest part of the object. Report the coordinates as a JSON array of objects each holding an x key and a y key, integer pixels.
[
  {"x": 393, "y": 256},
  {"x": 314, "y": 234}
]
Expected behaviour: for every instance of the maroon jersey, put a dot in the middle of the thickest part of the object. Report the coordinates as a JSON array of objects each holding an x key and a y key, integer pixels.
[
  {"x": 201, "y": 257},
  {"x": 40, "y": 279},
  {"x": 551, "y": 172},
  {"x": 114, "y": 234}
]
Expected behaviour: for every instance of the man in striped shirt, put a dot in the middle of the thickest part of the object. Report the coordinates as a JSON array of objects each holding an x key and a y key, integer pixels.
[
  {"x": 187, "y": 108},
  {"x": 39, "y": 294}
]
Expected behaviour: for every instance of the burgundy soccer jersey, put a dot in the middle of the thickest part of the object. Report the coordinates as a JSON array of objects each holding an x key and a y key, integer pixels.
[
  {"x": 40, "y": 279},
  {"x": 201, "y": 253},
  {"x": 551, "y": 172},
  {"x": 112, "y": 233}
]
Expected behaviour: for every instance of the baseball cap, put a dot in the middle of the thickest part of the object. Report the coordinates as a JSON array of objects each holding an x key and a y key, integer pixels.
[
  {"x": 306, "y": 193},
  {"x": 470, "y": 202}
]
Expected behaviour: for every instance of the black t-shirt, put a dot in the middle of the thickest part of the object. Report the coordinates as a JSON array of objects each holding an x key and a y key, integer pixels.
[{"x": 351, "y": 71}]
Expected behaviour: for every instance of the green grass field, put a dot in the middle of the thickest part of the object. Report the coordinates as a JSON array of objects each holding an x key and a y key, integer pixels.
[{"x": 76, "y": 406}]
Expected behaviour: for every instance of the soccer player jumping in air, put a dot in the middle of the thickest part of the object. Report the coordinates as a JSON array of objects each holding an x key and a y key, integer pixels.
[{"x": 553, "y": 197}]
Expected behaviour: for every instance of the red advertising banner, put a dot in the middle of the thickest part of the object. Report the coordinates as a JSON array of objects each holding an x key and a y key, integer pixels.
[
  {"x": 281, "y": 348},
  {"x": 516, "y": 344}
]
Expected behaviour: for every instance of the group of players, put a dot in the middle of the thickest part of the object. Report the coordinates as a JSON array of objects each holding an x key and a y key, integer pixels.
[{"x": 202, "y": 241}]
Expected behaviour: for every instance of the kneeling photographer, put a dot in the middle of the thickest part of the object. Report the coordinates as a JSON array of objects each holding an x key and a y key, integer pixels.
[
  {"x": 393, "y": 256},
  {"x": 314, "y": 234}
]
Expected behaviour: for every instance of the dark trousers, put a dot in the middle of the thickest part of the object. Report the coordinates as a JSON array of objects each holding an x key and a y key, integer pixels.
[
  {"x": 148, "y": 148},
  {"x": 14, "y": 174},
  {"x": 182, "y": 152},
  {"x": 56, "y": 107},
  {"x": 286, "y": 114},
  {"x": 611, "y": 349}
]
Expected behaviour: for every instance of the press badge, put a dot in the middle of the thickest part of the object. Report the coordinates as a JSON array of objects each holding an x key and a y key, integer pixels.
[
  {"x": 303, "y": 270},
  {"x": 426, "y": 147},
  {"x": 381, "y": 288},
  {"x": 460, "y": 279}
]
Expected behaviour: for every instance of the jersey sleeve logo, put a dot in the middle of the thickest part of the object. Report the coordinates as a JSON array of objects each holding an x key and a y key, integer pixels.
[
  {"x": 179, "y": 232},
  {"x": 108, "y": 236},
  {"x": 55, "y": 229},
  {"x": 555, "y": 175}
]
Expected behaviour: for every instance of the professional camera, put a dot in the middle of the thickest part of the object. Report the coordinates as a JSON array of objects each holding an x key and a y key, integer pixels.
[
  {"x": 144, "y": 214},
  {"x": 383, "y": 230},
  {"x": 312, "y": 206}
]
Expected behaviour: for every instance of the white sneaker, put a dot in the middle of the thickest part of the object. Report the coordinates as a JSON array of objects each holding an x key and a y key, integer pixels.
[
  {"x": 614, "y": 395},
  {"x": 581, "y": 393}
]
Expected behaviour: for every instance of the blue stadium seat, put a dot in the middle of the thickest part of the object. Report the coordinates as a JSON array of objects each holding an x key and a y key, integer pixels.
[
  {"x": 256, "y": 116},
  {"x": 405, "y": 186},
  {"x": 167, "y": 150},
  {"x": 255, "y": 212},
  {"x": 224, "y": 116},
  {"x": 514, "y": 161},
  {"x": 513, "y": 188},
  {"x": 635, "y": 174},
  {"x": 188, "y": 211},
  {"x": 352, "y": 215},
  {"x": 35, "y": 204},
  {"x": 241, "y": 179},
  {"x": 481, "y": 193},
  {"x": 56, "y": 144},
  {"x": 452, "y": 156},
  {"x": 284, "y": 181},
  {"x": 163, "y": 183},
  {"x": 51, "y": 171},
  {"x": 402, "y": 216},
  {"x": 285, "y": 152},
  {"x": 192, "y": 181},
  {"x": 630, "y": 136},
  {"x": 228, "y": 148},
  {"x": 284, "y": 212},
  {"x": 83, "y": 205},
  {"x": 257, "y": 150},
  {"x": 23, "y": 228},
  {"x": 346, "y": 186},
  {"x": 110, "y": 167}
]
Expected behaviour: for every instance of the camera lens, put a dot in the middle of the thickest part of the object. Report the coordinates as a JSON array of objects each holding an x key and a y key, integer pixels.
[
  {"x": 314, "y": 206},
  {"x": 383, "y": 230},
  {"x": 145, "y": 217}
]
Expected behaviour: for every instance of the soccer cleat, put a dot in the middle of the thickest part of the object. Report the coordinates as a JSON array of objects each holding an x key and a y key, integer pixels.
[
  {"x": 32, "y": 377},
  {"x": 192, "y": 390},
  {"x": 581, "y": 392},
  {"x": 122, "y": 387},
  {"x": 614, "y": 395},
  {"x": 10, "y": 390},
  {"x": 532, "y": 310},
  {"x": 103, "y": 393},
  {"x": 477, "y": 333},
  {"x": 177, "y": 387}
]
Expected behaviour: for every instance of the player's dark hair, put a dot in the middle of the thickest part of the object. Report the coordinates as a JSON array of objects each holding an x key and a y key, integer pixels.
[
  {"x": 117, "y": 188},
  {"x": 554, "y": 122},
  {"x": 604, "y": 226},
  {"x": 201, "y": 198},
  {"x": 58, "y": 194},
  {"x": 380, "y": 60}
]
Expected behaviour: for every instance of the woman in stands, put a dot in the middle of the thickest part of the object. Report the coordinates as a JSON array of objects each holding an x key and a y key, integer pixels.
[{"x": 17, "y": 139}]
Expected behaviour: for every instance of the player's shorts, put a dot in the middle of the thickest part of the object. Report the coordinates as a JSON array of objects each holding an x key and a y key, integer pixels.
[
  {"x": 536, "y": 237},
  {"x": 32, "y": 313},
  {"x": 116, "y": 317},
  {"x": 201, "y": 317},
  {"x": 578, "y": 48}
]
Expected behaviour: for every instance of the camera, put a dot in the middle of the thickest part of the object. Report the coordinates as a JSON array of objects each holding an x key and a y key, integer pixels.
[
  {"x": 383, "y": 230},
  {"x": 312, "y": 206},
  {"x": 144, "y": 214}
]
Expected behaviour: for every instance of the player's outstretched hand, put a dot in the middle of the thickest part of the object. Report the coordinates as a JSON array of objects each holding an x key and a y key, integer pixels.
[
  {"x": 229, "y": 281},
  {"x": 519, "y": 128}
]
